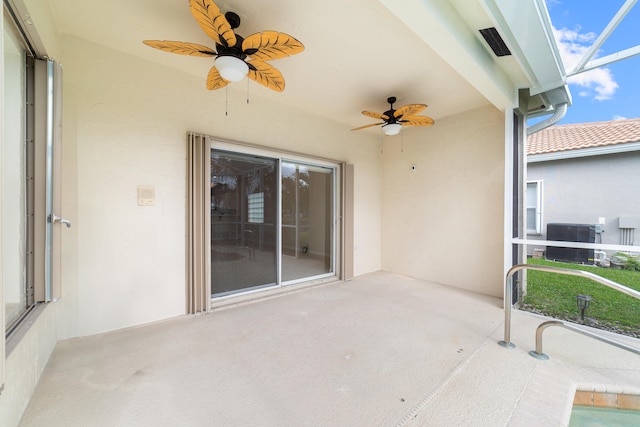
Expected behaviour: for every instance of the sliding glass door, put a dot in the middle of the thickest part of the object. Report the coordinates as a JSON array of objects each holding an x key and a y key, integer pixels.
[
  {"x": 244, "y": 206},
  {"x": 307, "y": 221},
  {"x": 272, "y": 222}
]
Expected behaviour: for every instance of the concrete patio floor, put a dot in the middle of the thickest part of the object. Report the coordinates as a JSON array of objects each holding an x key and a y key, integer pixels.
[{"x": 381, "y": 350}]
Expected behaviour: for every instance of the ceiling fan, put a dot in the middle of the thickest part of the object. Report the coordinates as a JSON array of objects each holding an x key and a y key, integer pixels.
[
  {"x": 393, "y": 120},
  {"x": 235, "y": 56}
]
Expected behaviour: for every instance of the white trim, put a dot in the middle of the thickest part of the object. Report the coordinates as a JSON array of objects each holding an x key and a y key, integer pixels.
[
  {"x": 21, "y": 14},
  {"x": 528, "y": 32},
  {"x": 443, "y": 30},
  {"x": 508, "y": 193},
  {"x": 2, "y": 145},
  {"x": 538, "y": 207},
  {"x": 609, "y": 59},
  {"x": 578, "y": 245},
  {"x": 584, "y": 152},
  {"x": 611, "y": 26},
  {"x": 279, "y": 161},
  {"x": 248, "y": 148}
]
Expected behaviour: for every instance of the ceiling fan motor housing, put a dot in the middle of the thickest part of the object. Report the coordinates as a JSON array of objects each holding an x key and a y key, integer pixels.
[
  {"x": 392, "y": 118},
  {"x": 389, "y": 113},
  {"x": 235, "y": 50}
]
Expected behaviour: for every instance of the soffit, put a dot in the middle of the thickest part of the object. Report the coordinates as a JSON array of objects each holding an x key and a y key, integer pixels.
[{"x": 357, "y": 53}]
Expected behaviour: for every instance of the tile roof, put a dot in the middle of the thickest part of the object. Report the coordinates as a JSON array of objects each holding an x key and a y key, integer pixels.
[{"x": 583, "y": 135}]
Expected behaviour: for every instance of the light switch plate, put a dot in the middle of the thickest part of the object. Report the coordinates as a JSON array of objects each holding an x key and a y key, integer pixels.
[{"x": 146, "y": 195}]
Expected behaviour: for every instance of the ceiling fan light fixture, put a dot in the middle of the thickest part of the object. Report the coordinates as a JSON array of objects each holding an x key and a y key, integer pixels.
[
  {"x": 392, "y": 129},
  {"x": 231, "y": 68},
  {"x": 393, "y": 120}
]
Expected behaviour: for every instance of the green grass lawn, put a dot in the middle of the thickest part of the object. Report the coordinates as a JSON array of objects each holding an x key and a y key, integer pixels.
[{"x": 554, "y": 295}]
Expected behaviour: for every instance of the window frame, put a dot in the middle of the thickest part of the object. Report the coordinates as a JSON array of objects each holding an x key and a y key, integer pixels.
[
  {"x": 537, "y": 206},
  {"x": 341, "y": 268},
  {"x": 42, "y": 115},
  {"x": 27, "y": 83}
]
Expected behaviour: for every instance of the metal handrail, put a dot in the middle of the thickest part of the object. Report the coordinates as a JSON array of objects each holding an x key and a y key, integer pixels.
[
  {"x": 538, "y": 354},
  {"x": 567, "y": 271}
]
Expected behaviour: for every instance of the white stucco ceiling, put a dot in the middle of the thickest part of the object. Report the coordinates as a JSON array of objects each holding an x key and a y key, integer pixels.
[{"x": 357, "y": 52}]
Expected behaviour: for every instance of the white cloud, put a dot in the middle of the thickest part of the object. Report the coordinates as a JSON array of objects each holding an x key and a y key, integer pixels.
[
  {"x": 617, "y": 117},
  {"x": 599, "y": 80},
  {"x": 572, "y": 45}
]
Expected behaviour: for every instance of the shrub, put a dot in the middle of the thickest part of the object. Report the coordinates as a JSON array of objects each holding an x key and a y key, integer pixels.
[{"x": 629, "y": 262}]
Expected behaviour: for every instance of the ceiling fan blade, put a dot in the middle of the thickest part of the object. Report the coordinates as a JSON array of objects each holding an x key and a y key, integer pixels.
[
  {"x": 266, "y": 75},
  {"x": 368, "y": 126},
  {"x": 214, "y": 80},
  {"x": 409, "y": 110},
  {"x": 181, "y": 48},
  {"x": 375, "y": 115},
  {"x": 269, "y": 45},
  {"x": 213, "y": 22},
  {"x": 417, "y": 121}
]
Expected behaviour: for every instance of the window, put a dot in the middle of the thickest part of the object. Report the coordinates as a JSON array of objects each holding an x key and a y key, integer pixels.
[
  {"x": 29, "y": 175},
  {"x": 256, "y": 208},
  {"x": 534, "y": 207},
  {"x": 17, "y": 174}
]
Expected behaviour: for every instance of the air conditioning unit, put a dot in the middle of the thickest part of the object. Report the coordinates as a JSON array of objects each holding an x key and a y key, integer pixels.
[{"x": 583, "y": 233}]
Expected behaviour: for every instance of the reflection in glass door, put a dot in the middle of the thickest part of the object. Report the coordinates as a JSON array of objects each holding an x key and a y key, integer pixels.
[
  {"x": 244, "y": 201},
  {"x": 307, "y": 221}
]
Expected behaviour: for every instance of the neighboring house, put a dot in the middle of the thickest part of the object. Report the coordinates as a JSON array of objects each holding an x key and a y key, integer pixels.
[{"x": 587, "y": 173}]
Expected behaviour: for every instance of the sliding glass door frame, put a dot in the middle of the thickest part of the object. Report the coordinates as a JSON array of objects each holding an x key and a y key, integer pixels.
[
  {"x": 333, "y": 223},
  {"x": 280, "y": 158},
  {"x": 279, "y": 225}
]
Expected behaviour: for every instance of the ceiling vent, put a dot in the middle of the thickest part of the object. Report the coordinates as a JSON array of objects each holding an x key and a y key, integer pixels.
[{"x": 495, "y": 42}]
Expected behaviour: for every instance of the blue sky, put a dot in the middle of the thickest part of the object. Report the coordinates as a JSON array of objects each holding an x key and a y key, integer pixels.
[{"x": 607, "y": 93}]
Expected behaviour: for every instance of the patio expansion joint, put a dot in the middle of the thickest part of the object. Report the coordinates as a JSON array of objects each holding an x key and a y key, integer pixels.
[
  {"x": 413, "y": 412},
  {"x": 518, "y": 403}
]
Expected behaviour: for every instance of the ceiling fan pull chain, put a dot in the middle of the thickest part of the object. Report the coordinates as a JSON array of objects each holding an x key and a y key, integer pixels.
[
  {"x": 247, "y": 91},
  {"x": 226, "y": 100}
]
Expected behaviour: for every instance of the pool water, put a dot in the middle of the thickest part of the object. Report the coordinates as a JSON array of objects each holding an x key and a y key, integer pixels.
[{"x": 588, "y": 416}]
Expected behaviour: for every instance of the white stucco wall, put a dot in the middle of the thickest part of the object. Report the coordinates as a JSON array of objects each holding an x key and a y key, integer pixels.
[
  {"x": 29, "y": 353},
  {"x": 125, "y": 125},
  {"x": 444, "y": 221}
]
